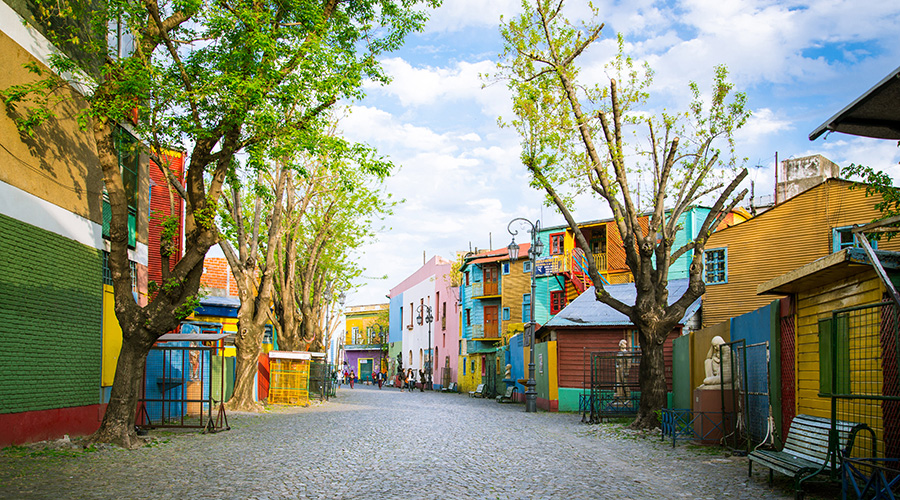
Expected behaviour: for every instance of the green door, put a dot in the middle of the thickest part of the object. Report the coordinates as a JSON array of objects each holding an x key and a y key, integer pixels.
[{"x": 365, "y": 369}]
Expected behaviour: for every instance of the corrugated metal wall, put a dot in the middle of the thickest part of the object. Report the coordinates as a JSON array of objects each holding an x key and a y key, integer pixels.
[{"x": 790, "y": 235}]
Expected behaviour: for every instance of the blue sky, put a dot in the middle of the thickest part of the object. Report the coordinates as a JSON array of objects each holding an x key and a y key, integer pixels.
[{"x": 798, "y": 62}]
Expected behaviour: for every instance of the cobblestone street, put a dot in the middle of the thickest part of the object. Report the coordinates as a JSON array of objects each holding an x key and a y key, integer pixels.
[{"x": 384, "y": 444}]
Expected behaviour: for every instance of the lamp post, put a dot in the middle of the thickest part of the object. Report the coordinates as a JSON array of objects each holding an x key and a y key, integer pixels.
[
  {"x": 327, "y": 341},
  {"x": 428, "y": 319},
  {"x": 537, "y": 247}
]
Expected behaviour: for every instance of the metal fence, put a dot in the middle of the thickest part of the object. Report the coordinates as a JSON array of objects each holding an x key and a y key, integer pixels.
[
  {"x": 759, "y": 425},
  {"x": 615, "y": 388}
]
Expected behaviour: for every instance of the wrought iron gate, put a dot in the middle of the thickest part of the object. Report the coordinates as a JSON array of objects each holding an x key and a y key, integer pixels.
[{"x": 615, "y": 389}]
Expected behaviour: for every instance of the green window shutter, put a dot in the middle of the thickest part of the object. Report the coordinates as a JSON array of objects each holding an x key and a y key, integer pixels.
[
  {"x": 132, "y": 227},
  {"x": 842, "y": 355},
  {"x": 834, "y": 356},
  {"x": 107, "y": 217}
]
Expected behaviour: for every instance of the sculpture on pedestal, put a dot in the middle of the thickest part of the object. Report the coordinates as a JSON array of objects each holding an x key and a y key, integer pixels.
[{"x": 717, "y": 365}]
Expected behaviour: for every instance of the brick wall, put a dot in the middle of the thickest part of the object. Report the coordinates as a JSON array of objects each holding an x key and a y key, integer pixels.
[
  {"x": 50, "y": 320},
  {"x": 217, "y": 274}
]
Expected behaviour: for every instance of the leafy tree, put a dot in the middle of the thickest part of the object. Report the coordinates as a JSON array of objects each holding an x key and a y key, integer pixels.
[
  {"x": 574, "y": 140},
  {"x": 224, "y": 77}
]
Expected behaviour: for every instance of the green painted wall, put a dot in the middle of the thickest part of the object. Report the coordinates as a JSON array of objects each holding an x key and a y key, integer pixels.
[
  {"x": 50, "y": 320},
  {"x": 568, "y": 398}
]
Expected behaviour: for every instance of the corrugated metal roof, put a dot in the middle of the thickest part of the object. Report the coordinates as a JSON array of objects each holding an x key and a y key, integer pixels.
[
  {"x": 585, "y": 310},
  {"x": 214, "y": 301},
  {"x": 500, "y": 254}
]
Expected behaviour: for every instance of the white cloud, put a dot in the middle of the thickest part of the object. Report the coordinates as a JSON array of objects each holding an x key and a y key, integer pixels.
[{"x": 763, "y": 123}]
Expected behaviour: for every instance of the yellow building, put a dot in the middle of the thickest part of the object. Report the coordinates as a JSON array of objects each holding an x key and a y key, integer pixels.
[
  {"x": 363, "y": 347},
  {"x": 841, "y": 340},
  {"x": 811, "y": 225}
]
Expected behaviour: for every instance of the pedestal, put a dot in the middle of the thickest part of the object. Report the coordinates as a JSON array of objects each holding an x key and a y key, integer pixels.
[{"x": 712, "y": 420}]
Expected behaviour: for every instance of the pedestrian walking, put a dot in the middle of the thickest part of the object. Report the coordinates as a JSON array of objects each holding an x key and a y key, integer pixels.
[
  {"x": 380, "y": 376},
  {"x": 411, "y": 380},
  {"x": 422, "y": 380},
  {"x": 352, "y": 378},
  {"x": 401, "y": 379}
]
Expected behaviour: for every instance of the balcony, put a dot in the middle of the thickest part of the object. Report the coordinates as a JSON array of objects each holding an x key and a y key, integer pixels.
[
  {"x": 490, "y": 331},
  {"x": 485, "y": 289}
]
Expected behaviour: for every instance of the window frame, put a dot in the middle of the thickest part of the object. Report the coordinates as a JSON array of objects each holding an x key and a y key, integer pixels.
[
  {"x": 557, "y": 301},
  {"x": 557, "y": 243},
  {"x": 526, "y": 266},
  {"x": 837, "y": 245},
  {"x": 724, "y": 271},
  {"x": 505, "y": 314}
]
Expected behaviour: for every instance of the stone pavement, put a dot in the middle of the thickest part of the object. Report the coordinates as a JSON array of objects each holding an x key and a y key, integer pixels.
[{"x": 383, "y": 444}]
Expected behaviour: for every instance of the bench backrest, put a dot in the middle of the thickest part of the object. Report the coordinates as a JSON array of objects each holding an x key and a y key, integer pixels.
[
  {"x": 808, "y": 437},
  {"x": 479, "y": 389},
  {"x": 509, "y": 391}
]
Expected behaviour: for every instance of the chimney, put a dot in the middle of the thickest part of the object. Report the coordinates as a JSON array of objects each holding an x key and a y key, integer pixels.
[{"x": 799, "y": 174}]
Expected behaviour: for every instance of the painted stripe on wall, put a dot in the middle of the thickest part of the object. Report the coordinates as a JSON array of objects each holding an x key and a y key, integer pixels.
[{"x": 26, "y": 207}]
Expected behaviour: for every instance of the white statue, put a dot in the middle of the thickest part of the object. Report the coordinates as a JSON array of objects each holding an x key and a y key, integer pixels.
[
  {"x": 621, "y": 361},
  {"x": 717, "y": 365}
]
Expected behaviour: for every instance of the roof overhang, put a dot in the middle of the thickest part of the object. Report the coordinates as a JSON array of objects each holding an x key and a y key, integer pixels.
[
  {"x": 875, "y": 114},
  {"x": 828, "y": 269}
]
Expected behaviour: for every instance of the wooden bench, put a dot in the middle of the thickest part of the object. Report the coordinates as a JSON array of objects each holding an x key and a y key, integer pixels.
[
  {"x": 805, "y": 452},
  {"x": 508, "y": 397},
  {"x": 478, "y": 392}
]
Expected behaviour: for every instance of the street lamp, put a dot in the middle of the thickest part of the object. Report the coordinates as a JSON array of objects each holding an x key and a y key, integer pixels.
[
  {"x": 537, "y": 247},
  {"x": 428, "y": 319}
]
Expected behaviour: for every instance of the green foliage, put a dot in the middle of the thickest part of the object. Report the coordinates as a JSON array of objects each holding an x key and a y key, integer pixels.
[
  {"x": 876, "y": 183},
  {"x": 188, "y": 306}
]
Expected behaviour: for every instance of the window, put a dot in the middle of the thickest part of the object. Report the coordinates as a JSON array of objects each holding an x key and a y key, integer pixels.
[
  {"x": 506, "y": 267},
  {"x": 556, "y": 244},
  {"x": 355, "y": 336},
  {"x": 526, "y": 308},
  {"x": 505, "y": 314},
  {"x": 467, "y": 278},
  {"x": 411, "y": 314},
  {"x": 716, "y": 266},
  {"x": 526, "y": 266},
  {"x": 468, "y": 317},
  {"x": 842, "y": 237},
  {"x": 557, "y": 301}
]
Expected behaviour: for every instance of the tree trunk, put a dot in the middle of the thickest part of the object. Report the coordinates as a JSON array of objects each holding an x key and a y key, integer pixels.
[
  {"x": 652, "y": 377},
  {"x": 247, "y": 343},
  {"x": 118, "y": 425}
]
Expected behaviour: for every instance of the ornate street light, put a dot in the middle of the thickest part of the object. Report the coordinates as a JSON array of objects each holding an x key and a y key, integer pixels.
[
  {"x": 537, "y": 247},
  {"x": 428, "y": 319}
]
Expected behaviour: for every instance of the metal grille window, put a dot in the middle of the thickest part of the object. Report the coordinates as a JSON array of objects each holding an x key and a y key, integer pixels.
[
  {"x": 716, "y": 266},
  {"x": 505, "y": 314},
  {"x": 107, "y": 275}
]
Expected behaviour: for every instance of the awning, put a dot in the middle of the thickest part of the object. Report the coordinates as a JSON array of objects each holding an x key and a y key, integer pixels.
[{"x": 875, "y": 114}]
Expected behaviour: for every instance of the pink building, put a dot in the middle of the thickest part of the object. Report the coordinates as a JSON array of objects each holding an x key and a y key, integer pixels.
[{"x": 429, "y": 289}]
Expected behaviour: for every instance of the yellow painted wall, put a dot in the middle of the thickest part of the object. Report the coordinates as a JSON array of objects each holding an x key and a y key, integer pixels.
[
  {"x": 469, "y": 381},
  {"x": 789, "y": 236},
  {"x": 553, "y": 367},
  {"x": 112, "y": 338},
  {"x": 514, "y": 285},
  {"x": 816, "y": 304}
]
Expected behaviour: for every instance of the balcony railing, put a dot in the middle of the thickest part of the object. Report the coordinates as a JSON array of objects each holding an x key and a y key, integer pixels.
[
  {"x": 485, "y": 331},
  {"x": 482, "y": 289}
]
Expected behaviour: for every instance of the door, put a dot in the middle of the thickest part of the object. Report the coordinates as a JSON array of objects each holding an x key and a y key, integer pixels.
[
  {"x": 365, "y": 369},
  {"x": 491, "y": 275},
  {"x": 491, "y": 325}
]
